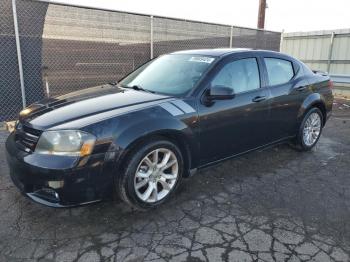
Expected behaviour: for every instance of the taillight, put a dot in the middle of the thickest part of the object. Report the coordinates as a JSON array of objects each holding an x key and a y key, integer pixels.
[{"x": 330, "y": 84}]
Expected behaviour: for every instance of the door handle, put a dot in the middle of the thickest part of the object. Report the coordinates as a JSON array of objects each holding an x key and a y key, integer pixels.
[
  {"x": 300, "y": 88},
  {"x": 259, "y": 99}
]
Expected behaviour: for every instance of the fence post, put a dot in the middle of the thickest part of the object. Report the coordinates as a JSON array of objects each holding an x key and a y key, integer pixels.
[
  {"x": 231, "y": 35},
  {"x": 281, "y": 40},
  {"x": 151, "y": 36},
  {"x": 330, "y": 51},
  {"x": 19, "y": 56}
]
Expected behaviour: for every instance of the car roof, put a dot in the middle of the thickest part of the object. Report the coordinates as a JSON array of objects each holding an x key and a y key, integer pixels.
[{"x": 221, "y": 51}]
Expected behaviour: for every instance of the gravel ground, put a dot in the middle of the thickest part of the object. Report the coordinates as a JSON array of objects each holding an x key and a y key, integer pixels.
[{"x": 272, "y": 205}]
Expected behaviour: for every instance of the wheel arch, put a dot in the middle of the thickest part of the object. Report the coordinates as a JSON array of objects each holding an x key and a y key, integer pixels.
[
  {"x": 313, "y": 100},
  {"x": 179, "y": 134},
  {"x": 320, "y": 105}
]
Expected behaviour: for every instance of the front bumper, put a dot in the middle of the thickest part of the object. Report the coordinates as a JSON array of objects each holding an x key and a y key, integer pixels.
[{"x": 59, "y": 181}]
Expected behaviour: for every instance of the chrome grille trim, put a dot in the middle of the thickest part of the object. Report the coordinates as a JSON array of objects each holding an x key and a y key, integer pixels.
[{"x": 26, "y": 137}]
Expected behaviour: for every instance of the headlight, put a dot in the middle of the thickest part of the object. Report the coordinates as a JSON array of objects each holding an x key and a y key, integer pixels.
[
  {"x": 65, "y": 142},
  {"x": 25, "y": 111}
]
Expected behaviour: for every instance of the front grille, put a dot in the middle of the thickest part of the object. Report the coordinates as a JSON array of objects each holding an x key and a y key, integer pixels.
[{"x": 26, "y": 137}]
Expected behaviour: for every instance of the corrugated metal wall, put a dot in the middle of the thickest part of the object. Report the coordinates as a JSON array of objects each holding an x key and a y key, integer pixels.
[
  {"x": 316, "y": 49},
  {"x": 341, "y": 53}
]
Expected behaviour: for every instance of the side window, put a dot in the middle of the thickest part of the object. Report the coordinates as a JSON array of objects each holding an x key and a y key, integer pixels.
[
  {"x": 241, "y": 75},
  {"x": 279, "y": 71}
]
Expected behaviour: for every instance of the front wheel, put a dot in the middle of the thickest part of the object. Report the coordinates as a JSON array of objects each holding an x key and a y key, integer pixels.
[
  {"x": 151, "y": 174},
  {"x": 310, "y": 130}
]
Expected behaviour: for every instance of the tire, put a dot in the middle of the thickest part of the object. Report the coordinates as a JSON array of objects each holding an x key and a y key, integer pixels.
[
  {"x": 140, "y": 176},
  {"x": 304, "y": 142}
]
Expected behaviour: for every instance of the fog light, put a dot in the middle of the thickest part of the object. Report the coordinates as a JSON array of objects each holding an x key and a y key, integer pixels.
[
  {"x": 10, "y": 126},
  {"x": 56, "y": 184}
]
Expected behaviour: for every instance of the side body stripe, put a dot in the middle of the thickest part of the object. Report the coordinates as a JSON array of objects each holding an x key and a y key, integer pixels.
[
  {"x": 171, "y": 109},
  {"x": 183, "y": 106}
]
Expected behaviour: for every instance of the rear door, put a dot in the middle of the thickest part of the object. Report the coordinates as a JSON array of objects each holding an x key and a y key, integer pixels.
[
  {"x": 288, "y": 88},
  {"x": 229, "y": 127}
]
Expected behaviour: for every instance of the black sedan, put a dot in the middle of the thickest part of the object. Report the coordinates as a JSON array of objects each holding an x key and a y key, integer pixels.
[{"x": 164, "y": 121}]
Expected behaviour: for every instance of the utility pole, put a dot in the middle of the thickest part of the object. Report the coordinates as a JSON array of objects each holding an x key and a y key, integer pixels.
[{"x": 261, "y": 14}]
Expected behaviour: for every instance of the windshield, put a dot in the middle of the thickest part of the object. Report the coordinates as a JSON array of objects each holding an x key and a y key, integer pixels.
[{"x": 169, "y": 74}]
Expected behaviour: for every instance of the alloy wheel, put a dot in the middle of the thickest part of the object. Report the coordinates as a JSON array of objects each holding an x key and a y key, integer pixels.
[
  {"x": 156, "y": 175},
  {"x": 312, "y": 129}
]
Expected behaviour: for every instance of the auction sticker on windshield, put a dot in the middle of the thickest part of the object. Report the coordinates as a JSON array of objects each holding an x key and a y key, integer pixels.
[{"x": 202, "y": 59}]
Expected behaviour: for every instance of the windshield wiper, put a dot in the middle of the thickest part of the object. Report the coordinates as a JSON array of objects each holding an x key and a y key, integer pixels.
[
  {"x": 137, "y": 87},
  {"x": 113, "y": 83}
]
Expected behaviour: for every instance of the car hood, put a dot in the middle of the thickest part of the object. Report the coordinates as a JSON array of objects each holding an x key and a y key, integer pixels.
[{"x": 73, "y": 106}]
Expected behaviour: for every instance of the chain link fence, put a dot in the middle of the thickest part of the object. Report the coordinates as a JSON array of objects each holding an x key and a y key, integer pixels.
[
  {"x": 172, "y": 35},
  {"x": 10, "y": 91},
  {"x": 67, "y": 48}
]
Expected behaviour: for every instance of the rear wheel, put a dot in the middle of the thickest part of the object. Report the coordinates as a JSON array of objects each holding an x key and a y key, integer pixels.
[
  {"x": 310, "y": 130},
  {"x": 151, "y": 175}
]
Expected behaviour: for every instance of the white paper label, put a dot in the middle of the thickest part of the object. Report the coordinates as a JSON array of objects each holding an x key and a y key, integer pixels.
[{"x": 202, "y": 59}]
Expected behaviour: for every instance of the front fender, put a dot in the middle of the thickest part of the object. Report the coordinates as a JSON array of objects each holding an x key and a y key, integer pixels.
[
  {"x": 144, "y": 128},
  {"x": 122, "y": 132},
  {"x": 170, "y": 128}
]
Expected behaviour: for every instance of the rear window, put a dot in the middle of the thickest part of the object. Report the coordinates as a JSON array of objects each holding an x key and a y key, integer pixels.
[{"x": 279, "y": 71}]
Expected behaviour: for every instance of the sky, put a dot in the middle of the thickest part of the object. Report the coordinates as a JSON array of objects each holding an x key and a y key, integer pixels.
[{"x": 287, "y": 15}]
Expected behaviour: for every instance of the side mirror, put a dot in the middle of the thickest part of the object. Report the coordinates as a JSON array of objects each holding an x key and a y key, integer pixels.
[{"x": 220, "y": 93}]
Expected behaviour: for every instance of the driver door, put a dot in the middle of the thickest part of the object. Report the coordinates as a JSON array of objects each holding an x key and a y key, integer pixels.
[{"x": 232, "y": 126}]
